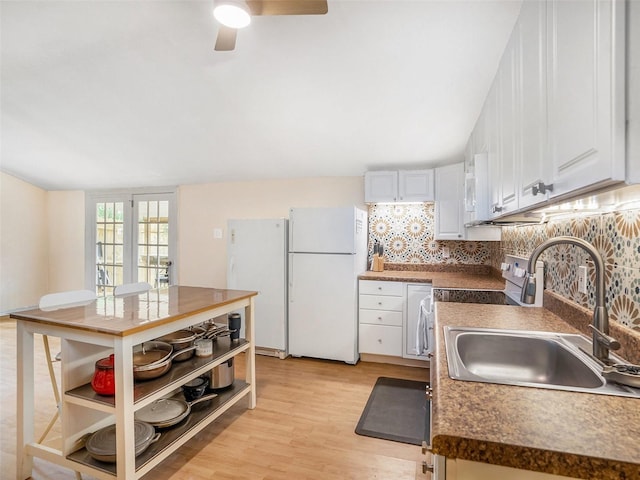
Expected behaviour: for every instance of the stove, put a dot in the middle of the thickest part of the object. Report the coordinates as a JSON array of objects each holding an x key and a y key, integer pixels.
[{"x": 514, "y": 271}]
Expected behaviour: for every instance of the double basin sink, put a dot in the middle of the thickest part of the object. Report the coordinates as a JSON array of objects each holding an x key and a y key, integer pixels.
[{"x": 528, "y": 358}]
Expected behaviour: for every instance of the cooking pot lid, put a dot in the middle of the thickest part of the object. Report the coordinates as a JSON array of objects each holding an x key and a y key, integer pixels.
[
  {"x": 103, "y": 442},
  {"x": 162, "y": 410},
  {"x": 105, "y": 363}
]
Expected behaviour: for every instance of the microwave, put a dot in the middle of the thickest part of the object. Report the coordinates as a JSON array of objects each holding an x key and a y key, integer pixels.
[{"x": 477, "y": 191}]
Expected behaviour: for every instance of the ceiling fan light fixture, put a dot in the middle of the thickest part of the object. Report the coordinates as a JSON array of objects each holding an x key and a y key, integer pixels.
[{"x": 232, "y": 13}]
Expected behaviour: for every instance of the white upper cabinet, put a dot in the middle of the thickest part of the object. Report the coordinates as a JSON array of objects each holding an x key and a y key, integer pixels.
[
  {"x": 585, "y": 88},
  {"x": 398, "y": 186},
  {"x": 533, "y": 166},
  {"x": 381, "y": 186},
  {"x": 449, "y": 207},
  {"x": 415, "y": 185},
  {"x": 492, "y": 139},
  {"x": 553, "y": 123},
  {"x": 508, "y": 123}
]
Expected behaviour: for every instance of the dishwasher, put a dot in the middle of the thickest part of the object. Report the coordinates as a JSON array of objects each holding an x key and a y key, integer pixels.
[{"x": 418, "y": 335}]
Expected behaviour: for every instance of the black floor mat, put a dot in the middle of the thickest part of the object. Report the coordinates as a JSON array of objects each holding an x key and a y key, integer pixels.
[{"x": 397, "y": 410}]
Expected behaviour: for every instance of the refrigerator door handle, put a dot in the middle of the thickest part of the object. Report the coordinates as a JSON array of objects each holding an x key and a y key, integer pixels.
[{"x": 290, "y": 266}]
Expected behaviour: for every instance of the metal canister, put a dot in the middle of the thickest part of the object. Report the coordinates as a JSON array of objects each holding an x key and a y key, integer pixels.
[
  {"x": 221, "y": 376},
  {"x": 235, "y": 322}
]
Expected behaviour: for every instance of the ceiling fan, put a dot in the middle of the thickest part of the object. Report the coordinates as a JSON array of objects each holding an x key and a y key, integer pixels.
[{"x": 235, "y": 14}]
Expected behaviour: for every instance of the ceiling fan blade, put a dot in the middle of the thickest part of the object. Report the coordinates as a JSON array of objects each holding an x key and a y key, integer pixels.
[
  {"x": 288, "y": 7},
  {"x": 226, "y": 40}
]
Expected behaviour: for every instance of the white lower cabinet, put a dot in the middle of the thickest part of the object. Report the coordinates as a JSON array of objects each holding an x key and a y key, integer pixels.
[
  {"x": 457, "y": 469},
  {"x": 386, "y": 317},
  {"x": 381, "y": 307},
  {"x": 381, "y": 339}
]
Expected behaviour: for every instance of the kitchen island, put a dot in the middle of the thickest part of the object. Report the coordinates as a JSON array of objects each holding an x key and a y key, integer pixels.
[
  {"x": 115, "y": 325},
  {"x": 481, "y": 426}
]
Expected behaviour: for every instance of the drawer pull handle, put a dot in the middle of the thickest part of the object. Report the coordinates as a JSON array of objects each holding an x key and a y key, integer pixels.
[
  {"x": 380, "y": 318},
  {"x": 379, "y": 340},
  {"x": 379, "y": 288},
  {"x": 379, "y": 303}
]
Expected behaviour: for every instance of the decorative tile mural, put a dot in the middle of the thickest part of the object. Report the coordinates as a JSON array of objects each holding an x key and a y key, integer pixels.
[
  {"x": 616, "y": 236},
  {"x": 406, "y": 231}
]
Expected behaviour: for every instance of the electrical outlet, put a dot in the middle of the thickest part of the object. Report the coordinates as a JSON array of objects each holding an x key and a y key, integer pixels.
[
  {"x": 445, "y": 252},
  {"x": 582, "y": 279},
  {"x": 217, "y": 233}
]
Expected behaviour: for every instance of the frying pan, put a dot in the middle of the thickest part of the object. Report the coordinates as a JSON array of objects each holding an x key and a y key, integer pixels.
[
  {"x": 153, "y": 359},
  {"x": 180, "y": 340},
  {"x": 167, "y": 412}
]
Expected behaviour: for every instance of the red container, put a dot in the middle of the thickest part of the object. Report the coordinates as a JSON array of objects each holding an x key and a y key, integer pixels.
[{"x": 104, "y": 381}]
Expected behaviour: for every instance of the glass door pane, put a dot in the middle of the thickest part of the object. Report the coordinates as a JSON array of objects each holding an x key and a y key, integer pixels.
[
  {"x": 109, "y": 246},
  {"x": 154, "y": 240}
]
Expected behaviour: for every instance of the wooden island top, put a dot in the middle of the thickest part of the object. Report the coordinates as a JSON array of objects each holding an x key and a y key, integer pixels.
[{"x": 126, "y": 315}]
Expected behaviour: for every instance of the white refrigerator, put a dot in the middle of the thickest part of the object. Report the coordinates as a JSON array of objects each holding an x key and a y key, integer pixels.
[
  {"x": 257, "y": 260},
  {"x": 327, "y": 252}
]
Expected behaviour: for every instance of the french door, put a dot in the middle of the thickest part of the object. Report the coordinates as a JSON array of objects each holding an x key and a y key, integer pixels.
[{"x": 132, "y": 238}]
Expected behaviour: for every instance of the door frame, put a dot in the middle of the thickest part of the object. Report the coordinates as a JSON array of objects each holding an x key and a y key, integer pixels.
[{"x": 130, "y": 229}]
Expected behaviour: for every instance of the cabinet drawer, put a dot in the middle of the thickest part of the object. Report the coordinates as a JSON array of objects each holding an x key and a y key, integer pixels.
[
  {"x": 380, "y": 317},
  {"x": 375, "y": 287},
  {"x": 380, "y": 302},
  {"x": 381, "y": 340}
]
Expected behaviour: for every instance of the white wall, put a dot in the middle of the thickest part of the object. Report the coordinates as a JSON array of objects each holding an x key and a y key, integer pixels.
[
  {"x": 42, "y": 233},
  {"x": 24, "y": 255},
  {"x": 65, "y": 212},
  {"x": 202, "y": 208}
]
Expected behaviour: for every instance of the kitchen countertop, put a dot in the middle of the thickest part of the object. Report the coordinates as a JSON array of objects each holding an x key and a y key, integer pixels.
[
  {"x": 440, "y": 279},
  {"x": 575, "y": 434}
]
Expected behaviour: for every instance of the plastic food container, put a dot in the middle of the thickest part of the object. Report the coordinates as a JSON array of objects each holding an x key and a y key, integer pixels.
[{"x": 204, "y": 347}]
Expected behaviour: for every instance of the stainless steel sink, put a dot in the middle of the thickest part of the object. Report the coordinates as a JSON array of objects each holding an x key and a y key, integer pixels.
[{"x": 527, "y": 358}]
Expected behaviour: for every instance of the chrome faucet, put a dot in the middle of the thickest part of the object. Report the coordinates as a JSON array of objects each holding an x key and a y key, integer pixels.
[{"x": 602, "y": 342}]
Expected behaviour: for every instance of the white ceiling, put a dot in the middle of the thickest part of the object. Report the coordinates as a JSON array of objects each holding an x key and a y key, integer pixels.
[{"x": 108, "y": 94}]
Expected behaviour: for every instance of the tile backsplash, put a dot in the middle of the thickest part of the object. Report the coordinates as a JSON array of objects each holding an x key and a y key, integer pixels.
[
  {"x": 406, "y": 231},
  {"x": 407, "y": 234},
  {"x": 616, "y": 236}
]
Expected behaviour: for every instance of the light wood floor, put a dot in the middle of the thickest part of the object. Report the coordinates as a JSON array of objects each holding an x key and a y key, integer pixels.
[{"x": 302, "y": 428}]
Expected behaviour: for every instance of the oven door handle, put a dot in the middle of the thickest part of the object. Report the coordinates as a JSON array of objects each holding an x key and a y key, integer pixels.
[{"x": 422, "y": 339}]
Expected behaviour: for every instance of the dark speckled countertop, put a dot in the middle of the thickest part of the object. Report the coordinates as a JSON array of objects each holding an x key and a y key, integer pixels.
[
  {"x": 574, "y": 434},
  {"x": 449, "y": 280}
]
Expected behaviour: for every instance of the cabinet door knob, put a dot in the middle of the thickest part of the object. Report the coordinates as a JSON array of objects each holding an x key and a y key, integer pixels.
[
  {"x": 379, "y": 303},
  {"x": 540, "y": 187},
  {"x": 426, "y": 468},
  {"x": 379, "y": 340},
  {"x": 380, "y": 318},
  {"x": 379, "y": 288}
]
